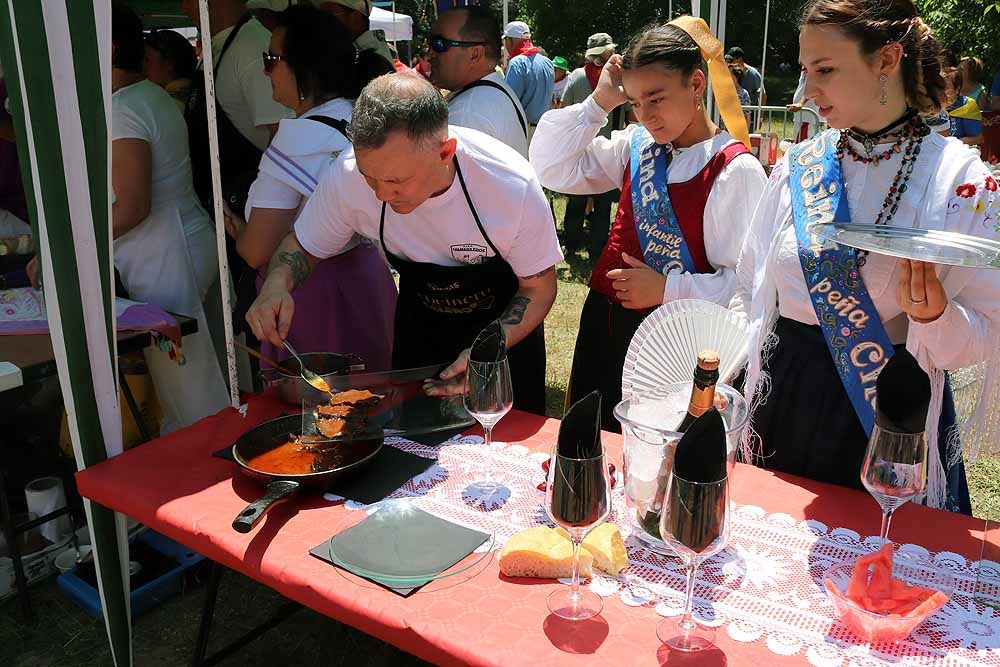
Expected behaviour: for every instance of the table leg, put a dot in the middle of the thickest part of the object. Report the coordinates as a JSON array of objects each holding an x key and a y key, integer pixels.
[
  {"x": 208, "y": 611},
  {"x": 15, "y": 551},
  {"x": 133, "y": 406}
]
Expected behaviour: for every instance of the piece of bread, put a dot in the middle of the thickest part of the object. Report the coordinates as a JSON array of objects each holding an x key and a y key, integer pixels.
[
  {"x": 606, "y": 545},
  {"x": 542, "y": 553}
]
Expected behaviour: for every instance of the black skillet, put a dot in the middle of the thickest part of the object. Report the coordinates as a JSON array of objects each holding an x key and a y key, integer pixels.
[{"x": 351, "y": 455}]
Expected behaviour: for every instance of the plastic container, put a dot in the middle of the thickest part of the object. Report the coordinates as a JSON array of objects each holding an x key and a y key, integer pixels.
[
  {"x": 879, "y": 627},
  {"x": 648, "y": 455},
  {"x": 161, "y": 579}
]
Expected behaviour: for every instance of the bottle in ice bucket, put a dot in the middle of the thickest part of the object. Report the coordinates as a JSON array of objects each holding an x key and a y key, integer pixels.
[{"x": 706, "y": 374}]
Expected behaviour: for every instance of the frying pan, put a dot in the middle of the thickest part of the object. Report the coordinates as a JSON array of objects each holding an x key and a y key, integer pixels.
[{"x": 352, "y": 456}]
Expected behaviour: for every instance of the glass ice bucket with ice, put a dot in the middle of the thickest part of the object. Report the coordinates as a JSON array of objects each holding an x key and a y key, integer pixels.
[{"x": 647, "y": 420}]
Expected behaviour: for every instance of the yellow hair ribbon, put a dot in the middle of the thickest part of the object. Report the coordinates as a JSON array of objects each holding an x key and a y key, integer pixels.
[{"x": 718, "y": 72}]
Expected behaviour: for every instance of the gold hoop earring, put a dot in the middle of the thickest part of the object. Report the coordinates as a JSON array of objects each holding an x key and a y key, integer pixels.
[{"x": 883, "y": 98}]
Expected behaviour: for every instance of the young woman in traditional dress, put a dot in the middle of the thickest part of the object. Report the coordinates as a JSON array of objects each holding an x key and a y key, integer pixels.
[
  {"x": 688, "y": 191},
  {"x": 872, "y": 70}
]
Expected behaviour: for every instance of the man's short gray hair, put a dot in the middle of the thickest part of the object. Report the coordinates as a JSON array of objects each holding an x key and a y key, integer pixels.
[{"x": 397, "y": 102}]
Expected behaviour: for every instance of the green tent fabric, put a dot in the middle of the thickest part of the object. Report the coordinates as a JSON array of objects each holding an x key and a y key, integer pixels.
[{"x": 56, "y": 56}]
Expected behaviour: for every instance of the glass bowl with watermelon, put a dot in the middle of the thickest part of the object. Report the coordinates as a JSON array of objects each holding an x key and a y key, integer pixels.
[{"x": 883, "y": 596}]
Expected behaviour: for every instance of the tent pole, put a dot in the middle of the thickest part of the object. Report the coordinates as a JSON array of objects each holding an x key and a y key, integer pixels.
[
  {"x": 505, "y": 21},
  {"x": 763, "y": 61},
  {"x": 220, "y": 227}
]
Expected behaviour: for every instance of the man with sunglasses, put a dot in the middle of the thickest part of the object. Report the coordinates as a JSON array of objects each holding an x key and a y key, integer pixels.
[{"x": 464, "y": 54}]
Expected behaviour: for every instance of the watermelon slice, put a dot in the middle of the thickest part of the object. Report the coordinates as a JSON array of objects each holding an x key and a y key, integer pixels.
[{"x": 879, "y": 607}]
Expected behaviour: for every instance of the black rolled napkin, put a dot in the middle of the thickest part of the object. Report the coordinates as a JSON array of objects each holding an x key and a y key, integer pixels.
[
  {"x": 902, "y": 395},
  {"x": 580, "y": 429},
  {"x": 695, "y": 509},
  {"x": 491, "y": 344},
  {"x": 701, "y": 452}
]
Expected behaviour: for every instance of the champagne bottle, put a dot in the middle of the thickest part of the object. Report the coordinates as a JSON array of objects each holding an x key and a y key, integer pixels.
[{"x": 706, "y": 374}]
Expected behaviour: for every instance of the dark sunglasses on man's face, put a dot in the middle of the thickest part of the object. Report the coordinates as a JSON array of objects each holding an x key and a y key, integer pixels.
[
  {"x": 270, "y": 60},
  {"x": 441, "y": 45}
]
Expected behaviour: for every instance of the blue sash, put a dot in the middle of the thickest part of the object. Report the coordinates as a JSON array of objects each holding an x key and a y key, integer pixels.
[
  {"x": 851, "y": 326},
  {"x": 660, "y": 236}
]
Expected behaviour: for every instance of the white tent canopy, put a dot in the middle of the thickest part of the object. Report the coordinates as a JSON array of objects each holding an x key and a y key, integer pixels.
[{"x": 397, "y": 27}]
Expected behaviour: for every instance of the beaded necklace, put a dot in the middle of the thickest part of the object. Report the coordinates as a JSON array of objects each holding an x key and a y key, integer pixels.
[{"x": 912, "y": 134}]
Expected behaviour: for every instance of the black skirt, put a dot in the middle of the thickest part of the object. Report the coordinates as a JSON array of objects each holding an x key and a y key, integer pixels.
[
  {"x": 606, "y": 329},
  {"x": 808, "y": 426}
]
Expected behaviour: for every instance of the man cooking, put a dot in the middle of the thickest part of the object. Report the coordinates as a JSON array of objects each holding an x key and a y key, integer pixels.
[{"x": 459, "y": 215}]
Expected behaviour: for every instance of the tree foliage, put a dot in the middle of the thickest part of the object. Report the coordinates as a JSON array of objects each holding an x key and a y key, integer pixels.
[{"x": 965, "y": 27}]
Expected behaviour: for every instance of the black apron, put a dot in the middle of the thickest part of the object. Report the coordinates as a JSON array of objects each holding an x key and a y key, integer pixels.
[
  {"x": 441, "y": 309},
  {"x": 239, "y": 160}
]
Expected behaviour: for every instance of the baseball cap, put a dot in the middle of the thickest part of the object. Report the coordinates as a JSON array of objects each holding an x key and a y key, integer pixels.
[
  {"x": 598, "y": 43},
  {"x": 560, "y": 63},
  {"x": 517, "y": 30},
  {"x": 362, "y": 6}
]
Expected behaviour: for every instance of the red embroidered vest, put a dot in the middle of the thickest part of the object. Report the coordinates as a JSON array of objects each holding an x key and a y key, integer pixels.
[{"x": 688, "y": 199}]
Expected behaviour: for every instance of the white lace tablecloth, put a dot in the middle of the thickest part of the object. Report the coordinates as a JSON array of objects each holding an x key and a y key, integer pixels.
[{"x": 764, "y": 587}]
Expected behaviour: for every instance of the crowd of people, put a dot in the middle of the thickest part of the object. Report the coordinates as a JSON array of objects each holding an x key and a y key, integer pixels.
[{"x": 339, "y": 170}]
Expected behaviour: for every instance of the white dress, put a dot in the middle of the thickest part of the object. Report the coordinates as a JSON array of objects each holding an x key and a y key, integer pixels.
[
  {"x": 949, "y": 189},
  {"x": 169, "y": 258}
]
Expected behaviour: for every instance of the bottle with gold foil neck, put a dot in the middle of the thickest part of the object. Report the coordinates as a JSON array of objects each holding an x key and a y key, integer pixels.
[{"x": 706, "y": 374}]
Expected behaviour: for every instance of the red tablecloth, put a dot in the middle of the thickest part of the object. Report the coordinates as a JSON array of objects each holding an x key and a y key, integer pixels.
[{"x": 174, "y": 485}]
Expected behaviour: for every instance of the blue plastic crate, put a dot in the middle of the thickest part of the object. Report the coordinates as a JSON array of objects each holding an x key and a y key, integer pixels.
[{"x": 149, "y": 594}]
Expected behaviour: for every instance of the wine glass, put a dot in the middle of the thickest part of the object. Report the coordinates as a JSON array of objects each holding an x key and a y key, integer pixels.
[
  {"x": 577, "y": 498},
  {"x": 488, "y": 397},
  {"x": 695, "y": 524},
  {"x": 894, "y": 470}
]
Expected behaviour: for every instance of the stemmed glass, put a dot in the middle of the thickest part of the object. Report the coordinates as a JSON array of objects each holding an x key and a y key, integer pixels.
[
  {"x": 488, "y": 397},
  {"x": 894, "y": 470},
  {"x": 578, "y": 498},
  {"x": 695, "y": 524}
]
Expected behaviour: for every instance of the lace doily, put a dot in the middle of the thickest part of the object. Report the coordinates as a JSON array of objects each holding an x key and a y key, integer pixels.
[{"x": 764, "y": 587}]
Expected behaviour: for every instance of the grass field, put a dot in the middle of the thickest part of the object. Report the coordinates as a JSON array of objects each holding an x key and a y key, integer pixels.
[{"x": 66, "y": 637}]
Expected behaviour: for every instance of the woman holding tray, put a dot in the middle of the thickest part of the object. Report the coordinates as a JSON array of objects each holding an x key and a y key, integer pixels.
[{"x": 873, "y": 71}]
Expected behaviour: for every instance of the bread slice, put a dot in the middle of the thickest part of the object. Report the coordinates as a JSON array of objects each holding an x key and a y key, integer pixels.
[
  {"x": 542, "y": 553},
  {"x": 606, "y": 545}
]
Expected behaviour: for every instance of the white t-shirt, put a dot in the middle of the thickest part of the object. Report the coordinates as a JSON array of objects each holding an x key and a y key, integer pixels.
[
  {"x": 558, "y": 89},
  {"x": 146, "y": 111},
  {"x": 488, "y": 110},
  {"x": 502, "y": 185},
  {"x": 241, "y": 86}
]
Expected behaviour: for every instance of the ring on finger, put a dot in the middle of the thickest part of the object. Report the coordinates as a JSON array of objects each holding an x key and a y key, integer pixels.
[{"x": 917, "y": 303}]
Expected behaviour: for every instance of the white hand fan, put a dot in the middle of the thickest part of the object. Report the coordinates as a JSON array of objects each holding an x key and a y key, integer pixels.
[{"x": 665, "y": 348}]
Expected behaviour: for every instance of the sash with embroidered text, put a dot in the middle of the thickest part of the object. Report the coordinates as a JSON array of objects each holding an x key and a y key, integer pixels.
[
  {"x": 660, "y": 236},
  {"x": 851, "y": 326}
]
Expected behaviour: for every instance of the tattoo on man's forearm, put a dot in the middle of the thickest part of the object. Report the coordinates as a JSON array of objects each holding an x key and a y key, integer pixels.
[
  {"x": 514, "y": 312},
  {"x": 296, "y": 261}
]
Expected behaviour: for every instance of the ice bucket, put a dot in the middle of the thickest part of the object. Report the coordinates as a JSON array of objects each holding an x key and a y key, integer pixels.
[{"x": 647, "y": 420}]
